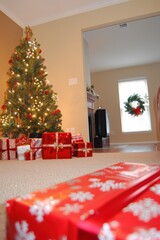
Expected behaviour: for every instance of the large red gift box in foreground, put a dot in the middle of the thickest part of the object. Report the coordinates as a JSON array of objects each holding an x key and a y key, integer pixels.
[
  {"x": 116, "y": 203},
  {"x": 139, "y": 220},
  {"x": 56, "y": 145}
]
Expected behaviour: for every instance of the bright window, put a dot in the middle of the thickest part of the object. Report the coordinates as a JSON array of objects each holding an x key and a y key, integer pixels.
[{"x": 131, "y": 123}]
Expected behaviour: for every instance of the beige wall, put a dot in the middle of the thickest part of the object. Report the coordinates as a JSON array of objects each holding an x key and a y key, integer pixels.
[
  {"x": 62, "y": 45},
  {"x": 11, "y": 34},
  {"x": 106, "y": 85}
]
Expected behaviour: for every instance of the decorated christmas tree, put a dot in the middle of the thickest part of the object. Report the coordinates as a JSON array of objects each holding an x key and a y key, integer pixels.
[{"x": 30, "y": 105}]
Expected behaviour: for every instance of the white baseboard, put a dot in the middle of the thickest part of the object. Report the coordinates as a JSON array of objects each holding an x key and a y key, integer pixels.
[{"x": 135, "y": 143}]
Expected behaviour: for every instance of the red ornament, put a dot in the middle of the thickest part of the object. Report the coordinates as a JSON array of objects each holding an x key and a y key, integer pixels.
[
  {"x": 46, "y": 92},
  {"x": 40, "y": 73},
  {"x": 27, "y": 39},
  {"x": 30, "y": 116},
  {"x": 4, "y": 106},
  {"x": 10, "y": 61},
  {"x": 40, "y": 50},
  {"x": 55, "y": 112}
]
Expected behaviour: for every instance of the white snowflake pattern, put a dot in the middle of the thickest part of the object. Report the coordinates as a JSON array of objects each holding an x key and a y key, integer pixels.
[
  {"x": 81, "y": 196},
  {"x": 96, "y": 183},
  {"x": 141, "y": 234},
  {"x": 106, "y": 233},
  {"x": 107, "y": 185},
  {"x": 22, "y": 232},
  {"x": 145, "y": 209},
  {"x": 41, "y": 208},
  {"x": 156, "y": 189},
  {"x": 71, "y": 208}
]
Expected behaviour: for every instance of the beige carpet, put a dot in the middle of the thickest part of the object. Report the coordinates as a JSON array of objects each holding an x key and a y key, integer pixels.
[{"x": 21, "y": 177}]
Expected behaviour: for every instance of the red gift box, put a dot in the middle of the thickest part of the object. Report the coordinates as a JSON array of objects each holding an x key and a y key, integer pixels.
[
  {"x": 83, "y": 149},
  {"x": 76, "y": 138},
  {"x": 29, "y": 155},
  {"x": 7, "y": 149},
  {"x": 36, "y": 146},
  {"x": 143, "y": 217},
  {"x": 56, "y": 145},
  {"x": 21, "y": 140},
  {"x": 89, "y": 206}
]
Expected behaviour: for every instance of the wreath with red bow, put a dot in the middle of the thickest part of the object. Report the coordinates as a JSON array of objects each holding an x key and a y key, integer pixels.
[{"x": 134, "y": 105}]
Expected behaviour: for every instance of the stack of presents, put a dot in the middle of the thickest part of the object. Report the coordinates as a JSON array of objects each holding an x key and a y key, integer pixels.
[
  {"x": 120, "y": 202},
  {"x": 52, "y": 145}
]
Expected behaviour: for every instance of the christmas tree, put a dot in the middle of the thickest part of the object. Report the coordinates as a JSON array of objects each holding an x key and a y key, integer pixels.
[{"x": 30, "y": 105}]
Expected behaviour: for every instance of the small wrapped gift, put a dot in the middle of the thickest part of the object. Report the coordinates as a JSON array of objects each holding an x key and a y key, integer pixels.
[
  {"x": 7, "y": 149},
  {"x": 76, "y": 138},
  {"x": 56, "y": 145},
  {"x": 29, "y": 155},
  {"x": 22, "y": 150},
  {"x": 21, "y": 140},
  {"x": 83, "y": 149},
  {"x": 36, "y": 146}
]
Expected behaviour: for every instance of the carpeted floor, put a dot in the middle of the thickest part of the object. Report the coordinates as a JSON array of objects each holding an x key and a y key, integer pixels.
[
  {"x": 21, "y": 177},
  {"x": 2, "y": 222}
]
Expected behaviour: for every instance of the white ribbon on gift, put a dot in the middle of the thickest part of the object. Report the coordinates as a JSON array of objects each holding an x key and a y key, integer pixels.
[{"x": 85, "y": 149}]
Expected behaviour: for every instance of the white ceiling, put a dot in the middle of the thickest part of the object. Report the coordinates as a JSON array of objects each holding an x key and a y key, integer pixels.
[
  {"x": 35, "y": 12},
  {"x": 111, "y": 47}
]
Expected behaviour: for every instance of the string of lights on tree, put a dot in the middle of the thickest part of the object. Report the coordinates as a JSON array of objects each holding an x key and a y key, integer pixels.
[{"x": 30, "y": 104}]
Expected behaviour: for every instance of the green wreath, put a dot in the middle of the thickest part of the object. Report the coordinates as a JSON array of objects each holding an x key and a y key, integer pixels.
[{"x": 136, "y": 110}]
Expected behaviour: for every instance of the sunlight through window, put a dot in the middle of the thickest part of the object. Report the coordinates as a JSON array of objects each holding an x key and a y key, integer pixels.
[{"x": 131, "y": 123}]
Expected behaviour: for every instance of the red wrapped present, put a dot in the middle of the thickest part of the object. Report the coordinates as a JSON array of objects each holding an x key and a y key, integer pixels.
[
  {"x": 36, "y": 146},
  {"x": 7, "y": 149},
  {"x": 139, "y": 220},
  {"x": 91, "y": 207},
  {"x": 76, "y": 138},
  {"x": 21, "y": 140},
  {"x": 56, "y": 145},
  {"x": 29, "y": 155},
  {"x": 83, "y": 149}
]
